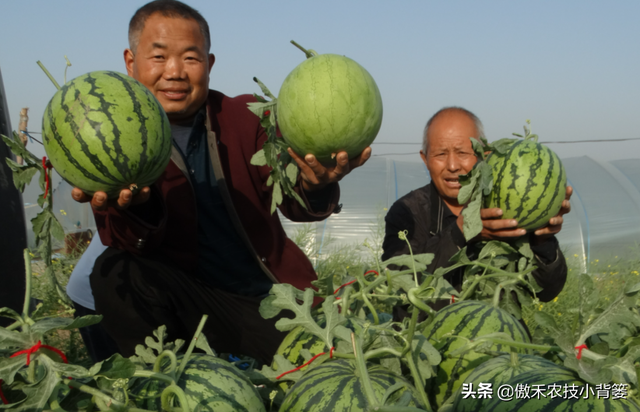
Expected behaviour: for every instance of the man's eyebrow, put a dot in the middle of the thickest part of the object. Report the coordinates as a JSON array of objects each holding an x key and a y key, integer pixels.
[{"x": 156, "y": 45}]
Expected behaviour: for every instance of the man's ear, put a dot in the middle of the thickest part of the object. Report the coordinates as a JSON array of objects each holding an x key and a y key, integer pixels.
[
  {"x": 129, "y": 61},
  {"x": 212, "y": 60},
  {"x": 424, "y": 158}
]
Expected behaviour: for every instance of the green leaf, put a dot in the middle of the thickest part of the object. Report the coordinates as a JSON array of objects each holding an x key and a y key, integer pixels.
[
  {"x": 285, "y": 296},
  {"x": 292, "y": 172},
  {"x": 84, "y": 321},
  {"x": 9, "y": 367},
  {"x": 39, "y": 392},
  {"x": 22, "y": 174},
  {"x": 64, "y": 369},
  {"x": 420, "y": 261},
  {"x": 10, "y": 313},
  {"x": 496, "y": 248},
  {"x": 259, "y": 108},
  {"x": 502, "y": 146},
  {"x": 12, "y": 339},
  {"x": 283, "y": 365},
  {"x": 472, "y": 223},
  {"x": 478, "y": 148},
  {"x": 116, "y": 367},
  {"x": 277, "y": 196},
  {"x": 259, "y": 158},
  {"x": 425, "y": 356},
  {"x": 45, "y": 325},
  {"x": 546, "y": 321},
  {"x": 468, "y": 184},
  {"x": 264, "y": 89}
]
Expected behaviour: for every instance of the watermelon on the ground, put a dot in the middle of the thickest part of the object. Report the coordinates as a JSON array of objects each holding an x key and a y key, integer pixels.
[
  {"x": 105, "y": 131},
  {"x": 329, "y": 103},
  {"x": 452, "y": 327},
  {"x": 495, "y": 372},
  {"x": 210, "y": 384},
  {"x": 529, "y": 184},
  {"x": 336, "y": 386},
  {"x": 559, "y": 391}
]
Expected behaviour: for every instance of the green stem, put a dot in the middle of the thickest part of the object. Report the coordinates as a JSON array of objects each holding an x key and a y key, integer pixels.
[
  {"x": 154, "y": 375},
  {"x": 93, "y": 391},
  {"x": 417, "y": 379},
  {"x": 522, "y": 345},
  {"x": 365, "y": 299},
  {"x": 44, "y": 69},
  {"x": 177, "y": 391},
  {"x": 361, "y": 368},
  {"x": 417, "y": 302},
  {"x": 27, "y": 293},
  {"x": 192, "y": 345},
  {"x": 172, "y": 358},
  {"x": 308, "y": 53},
  {"x": 345, "y": 300}
]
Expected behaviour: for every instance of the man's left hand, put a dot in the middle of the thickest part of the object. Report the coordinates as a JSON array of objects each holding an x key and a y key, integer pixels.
[
  {"x": 555, "y": 223},
  {"x": 315, "y": 176}
]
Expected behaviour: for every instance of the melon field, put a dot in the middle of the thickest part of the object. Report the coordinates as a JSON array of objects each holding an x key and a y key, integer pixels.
[{"x": 583, "y": 304}]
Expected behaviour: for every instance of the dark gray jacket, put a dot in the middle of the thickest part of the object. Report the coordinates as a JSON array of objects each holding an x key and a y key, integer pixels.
[{"x": 432, "y": 228}]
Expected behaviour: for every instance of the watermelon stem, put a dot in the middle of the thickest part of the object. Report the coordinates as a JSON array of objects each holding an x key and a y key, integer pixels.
[
  {"x": 361, "y": 369},
  {"x": 309, "y": 53},
  {"x": 165, "y": 398},
  {"x": 44, "y": 69},
  {"x": 192, "y": 345},
  {"x": 172, "y": 358},
  {"x": 98, "y": 394}
]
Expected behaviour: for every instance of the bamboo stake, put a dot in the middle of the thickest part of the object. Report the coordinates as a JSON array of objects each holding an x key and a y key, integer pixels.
[{"x": 24, "y": 119}]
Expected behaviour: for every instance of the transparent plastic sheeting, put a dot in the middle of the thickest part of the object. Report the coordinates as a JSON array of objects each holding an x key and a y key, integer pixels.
[{"x": 604, "y": 221}]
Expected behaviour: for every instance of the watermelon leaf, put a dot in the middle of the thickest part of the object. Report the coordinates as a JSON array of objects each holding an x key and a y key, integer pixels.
[
  {"x": 115, "y": 367},
  {"x": 285, "y": 296},
  {"x": 259, "y": 158}
]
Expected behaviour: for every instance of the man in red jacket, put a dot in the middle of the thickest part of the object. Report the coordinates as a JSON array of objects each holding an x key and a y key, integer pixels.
[{"x": 201, "y": 240}]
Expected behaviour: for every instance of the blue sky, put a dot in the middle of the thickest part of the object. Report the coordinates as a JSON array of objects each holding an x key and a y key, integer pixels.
[{"x": 571, "y": 67}]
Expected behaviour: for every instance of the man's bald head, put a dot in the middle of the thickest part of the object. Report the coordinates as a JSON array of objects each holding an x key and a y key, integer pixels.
[{"x": 448, "y": 110}]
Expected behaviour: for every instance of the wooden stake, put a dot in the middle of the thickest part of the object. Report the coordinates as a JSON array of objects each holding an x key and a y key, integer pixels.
[{"x": 24, "y": 119}]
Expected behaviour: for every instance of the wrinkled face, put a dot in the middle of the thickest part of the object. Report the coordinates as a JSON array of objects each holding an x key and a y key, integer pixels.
[
  {"x": 450, "y": 153},
  {"x": 172, "y": 62}
]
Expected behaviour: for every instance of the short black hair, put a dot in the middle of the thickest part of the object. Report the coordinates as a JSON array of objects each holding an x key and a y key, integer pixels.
[{"x": 166, "y": 8}]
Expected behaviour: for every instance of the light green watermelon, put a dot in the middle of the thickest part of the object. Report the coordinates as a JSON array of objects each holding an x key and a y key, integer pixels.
[{"x": 329, "y": 103}]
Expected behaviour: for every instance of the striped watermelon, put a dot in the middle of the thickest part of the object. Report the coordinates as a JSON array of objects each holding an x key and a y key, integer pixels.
[
  {"x": 551, "y": 403},
  {"x": 470, "y": 320},
  {"x": 335, "y": 386},
  {"x": 497, "y": 371},
  {"x": 329, "y": 103},
  {"x": 104, "y": 131},
  {"x": 529, "y": 184},
  {"x": 210, "y": 384}
]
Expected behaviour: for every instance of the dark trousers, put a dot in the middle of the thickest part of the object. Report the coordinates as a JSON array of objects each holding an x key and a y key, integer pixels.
[
  {"x": 136, "y": 295},
  {"x": 99, "y": 344}
]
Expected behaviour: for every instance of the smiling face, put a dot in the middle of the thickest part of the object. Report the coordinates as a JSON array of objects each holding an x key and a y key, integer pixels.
[
  {"x": 171, "y": 60},
  {"x": 450, "y": 154}
]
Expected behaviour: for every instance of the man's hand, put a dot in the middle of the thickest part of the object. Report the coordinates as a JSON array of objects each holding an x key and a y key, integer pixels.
[
  {"x": 100, "y": 202},
  {"x": 315, "y": 176},
  {"x": 555, "y": 223}
]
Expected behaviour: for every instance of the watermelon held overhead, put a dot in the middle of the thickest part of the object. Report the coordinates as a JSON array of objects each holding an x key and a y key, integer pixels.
[
  {"x": 105, "y": 131},
  {"x": 529, "y": 184},
  {"x": 327, "y": 104}
]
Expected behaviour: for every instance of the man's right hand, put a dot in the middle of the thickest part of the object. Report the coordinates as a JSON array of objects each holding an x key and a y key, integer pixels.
[
  {"x": 100, "y": 202},
  {"x": 494, "y": 227}
]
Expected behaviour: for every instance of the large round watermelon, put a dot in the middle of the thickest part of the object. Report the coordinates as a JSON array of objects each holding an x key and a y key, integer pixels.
[
  {"x": 105, "y": 131},
  {"x": 529, "y": 184},
  {"x": 327, "y": 104},
  {"x": 560, "y": 390},
  {"x": 450, "y": 329},
  {"x": 495, "y": 372},
  {"x": 335, "y": 386},
  {"x": 209, "y": 383}
]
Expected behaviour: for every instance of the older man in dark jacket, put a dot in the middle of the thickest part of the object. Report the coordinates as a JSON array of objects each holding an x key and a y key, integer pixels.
[{"x": 432, "y": 214}]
